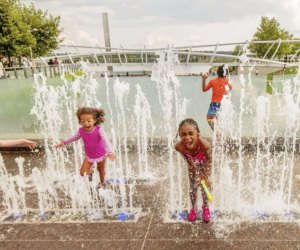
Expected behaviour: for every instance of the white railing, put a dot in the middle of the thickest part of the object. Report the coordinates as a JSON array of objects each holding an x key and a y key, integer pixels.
[{"x": 211, "y": 54}]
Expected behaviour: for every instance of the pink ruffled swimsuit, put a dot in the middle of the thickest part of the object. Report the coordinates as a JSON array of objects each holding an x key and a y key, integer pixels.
[{"x": 96, "y": 144}]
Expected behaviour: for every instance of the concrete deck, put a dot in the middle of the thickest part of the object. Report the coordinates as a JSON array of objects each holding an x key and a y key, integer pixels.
[{"x": 149, "y": 232}]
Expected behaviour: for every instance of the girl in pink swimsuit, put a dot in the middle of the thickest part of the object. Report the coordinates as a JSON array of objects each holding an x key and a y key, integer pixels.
[
  {"x": 197, "y": 152},
  {"x": 96, "y": 145}
]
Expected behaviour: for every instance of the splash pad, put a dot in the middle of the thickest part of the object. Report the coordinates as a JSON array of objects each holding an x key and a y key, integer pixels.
[
  {"x": 255, "y": 158},
  {"x": 60, "y": 192},
  {"x": 252, "y": 179}
]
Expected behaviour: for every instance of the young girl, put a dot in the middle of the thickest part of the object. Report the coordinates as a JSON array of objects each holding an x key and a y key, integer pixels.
[
  {"x": 197, "y": 152},
  {"x": 96, "y": 145}
]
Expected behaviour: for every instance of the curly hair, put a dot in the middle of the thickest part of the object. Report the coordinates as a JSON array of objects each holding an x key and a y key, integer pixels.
[{"x": 97, "y": 113}]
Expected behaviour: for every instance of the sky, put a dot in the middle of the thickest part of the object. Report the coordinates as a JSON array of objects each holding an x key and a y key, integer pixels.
[{"x": 159, "y": 23}]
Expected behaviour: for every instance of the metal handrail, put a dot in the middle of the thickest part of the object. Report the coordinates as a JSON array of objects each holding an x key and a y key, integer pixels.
[
  {"x": 187, "y": 47},
  {"x": 137, "y": 55}
]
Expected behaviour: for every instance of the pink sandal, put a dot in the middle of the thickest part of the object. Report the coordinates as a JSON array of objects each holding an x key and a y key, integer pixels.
[
  {"x": 192, "y": 216},
  {"x": 205, "y": 214}
]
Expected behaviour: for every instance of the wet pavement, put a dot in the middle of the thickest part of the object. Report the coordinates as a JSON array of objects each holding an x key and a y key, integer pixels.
[{"x": 150, "y": 231}]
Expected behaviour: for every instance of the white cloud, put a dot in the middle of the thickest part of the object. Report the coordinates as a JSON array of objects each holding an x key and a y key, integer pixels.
[
  {"x": 155, "y": 39},
  {"x": 293, "y": 6},
  {"x": 157, "y": 23}
]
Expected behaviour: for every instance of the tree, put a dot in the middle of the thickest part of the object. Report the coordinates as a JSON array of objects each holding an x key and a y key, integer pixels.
[
  {"x": 296, "y": 48},
  {"x": 26, "y": 30},
  {"x": 14, "y": 34},
  {"x": 238, "y": 49},
  {"x": 269, "y": 29},
  {"x": 44, "y": 28}
]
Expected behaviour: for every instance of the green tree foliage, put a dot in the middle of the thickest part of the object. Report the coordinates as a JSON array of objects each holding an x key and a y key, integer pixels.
[
  {"x": 14, "y": 34},
  {"x": 269, "y": 29},
  {"x": 238, "y": 49},
  {"x": 26, "y": 30},
  {"x": 44, "y": 28},
  {"x": 296, "y": 47}
]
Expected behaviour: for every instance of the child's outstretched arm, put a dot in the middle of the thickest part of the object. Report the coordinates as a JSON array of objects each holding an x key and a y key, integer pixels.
[
  {"x": 111, "y": 155},
  {"x": 204, "y": 86},
  {"x": 69, "y": 140},
  {"x": 59, "y": 145},
  {"x": 18, "y": 142}
]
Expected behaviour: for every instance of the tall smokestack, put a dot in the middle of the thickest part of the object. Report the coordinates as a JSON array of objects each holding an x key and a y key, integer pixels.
[
  {"x": 107, "y": 39},
  {"x": 106, "y": 31}
]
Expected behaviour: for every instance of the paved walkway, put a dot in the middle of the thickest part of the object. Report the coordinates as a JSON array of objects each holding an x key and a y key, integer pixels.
[{"x": 149, "y": 232}]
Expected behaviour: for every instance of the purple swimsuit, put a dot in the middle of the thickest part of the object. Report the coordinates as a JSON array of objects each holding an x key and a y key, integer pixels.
[{"x": 96, "y": 144}]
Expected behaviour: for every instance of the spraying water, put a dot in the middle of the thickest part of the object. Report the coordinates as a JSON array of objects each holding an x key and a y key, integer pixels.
[
  {"x": 144, "y": 123},
  {"x": 173, "y": 108},
  {"x": 251, "y": 178},
  {"x": 59, "y": 185}
]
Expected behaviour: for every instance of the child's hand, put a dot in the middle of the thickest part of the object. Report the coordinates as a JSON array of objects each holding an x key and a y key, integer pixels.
[
  {"x": 111, "y": 156},
  {"x": 204, "y": 75},
  {"x": 30, "y": 144},
  {"x": 61, "y": 144}
]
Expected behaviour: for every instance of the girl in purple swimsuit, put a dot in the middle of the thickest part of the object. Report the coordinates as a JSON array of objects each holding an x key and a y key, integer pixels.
[
  {"x": 197, "y": 152},
  {"x": 96, "y": 145}
]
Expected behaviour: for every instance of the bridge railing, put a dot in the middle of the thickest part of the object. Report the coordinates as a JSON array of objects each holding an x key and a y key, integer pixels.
[
  {"x": 207, "y": 53},
  {"x": 146, "y": 58},
  {"x": 47, "y": 70}
]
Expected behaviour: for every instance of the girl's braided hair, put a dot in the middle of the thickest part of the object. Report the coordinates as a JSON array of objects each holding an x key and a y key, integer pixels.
[
  {"x": 189, "y": 121},
  {"x": 97, "y": 113}
]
